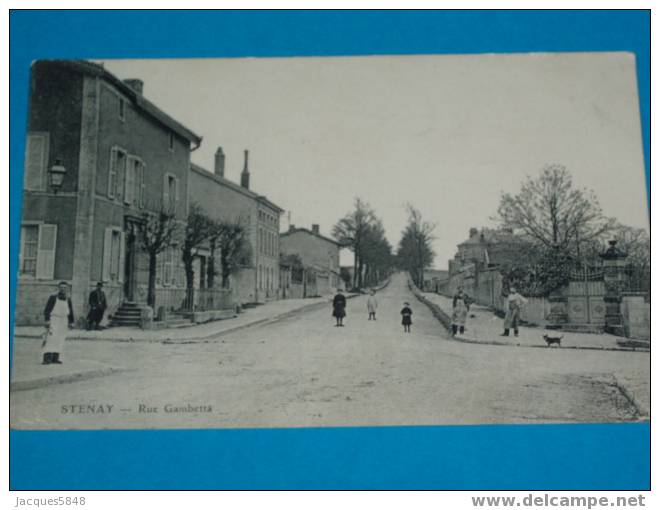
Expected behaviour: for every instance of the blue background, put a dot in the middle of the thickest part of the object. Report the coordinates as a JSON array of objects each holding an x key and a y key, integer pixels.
[{"x": 607, "y": 456}]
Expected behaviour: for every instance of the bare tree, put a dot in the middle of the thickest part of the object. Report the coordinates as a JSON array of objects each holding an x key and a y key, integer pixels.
[
  {"x": 415, "y": 252},
  {"x": 549, "y": 210},
  {"x": 351, "y": 231},
  {"x": 157, "y": 232},
  {"x": 199, "y": 228},
  {"x": 231, "y": 239}
]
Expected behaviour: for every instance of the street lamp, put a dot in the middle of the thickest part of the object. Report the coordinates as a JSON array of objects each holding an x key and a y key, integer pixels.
[{"x": 57, "y": 172}]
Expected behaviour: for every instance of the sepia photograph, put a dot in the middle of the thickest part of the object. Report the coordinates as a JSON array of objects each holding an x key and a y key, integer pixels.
[{"x": 332, "y": 242}]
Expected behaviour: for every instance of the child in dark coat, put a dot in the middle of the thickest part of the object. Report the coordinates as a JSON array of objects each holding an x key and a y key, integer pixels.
[{"x": 407, "y": 317}]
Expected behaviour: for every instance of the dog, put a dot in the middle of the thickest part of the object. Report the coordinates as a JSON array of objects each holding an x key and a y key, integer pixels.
[{"x": 549, "y": 340}]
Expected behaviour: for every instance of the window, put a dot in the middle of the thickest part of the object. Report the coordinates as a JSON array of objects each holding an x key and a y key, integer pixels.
[
  {"x": 29, "y": 244},
  {"x": 37, "y": 257},
  {"x": 134, "y": 182},
  {"x": 122, "y": 109},
  {"x": 170, "y": 193},
  {"x": 113, "y": 255},
  {"x": 116, "y": 171},
  {"x": 36, "y": 161},
  {"x": 170, "y": 142}
]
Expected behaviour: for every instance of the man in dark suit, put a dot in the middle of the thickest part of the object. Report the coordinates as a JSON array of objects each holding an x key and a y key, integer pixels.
[{"x": 97, "y": 307}]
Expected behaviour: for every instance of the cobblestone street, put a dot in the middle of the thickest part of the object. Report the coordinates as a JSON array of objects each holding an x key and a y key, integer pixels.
[{"x": 302, "y": 371}]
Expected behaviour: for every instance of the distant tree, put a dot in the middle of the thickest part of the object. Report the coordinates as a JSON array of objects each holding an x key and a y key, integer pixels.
[
  {"x": 157, "y": 232},
  {"x": 198, "y": 230},
  {"x": 377, "y": 257},
  {"x": 549, "y": 210},
  {"x": 345, "y": 275},
  {"x": 351, "y": 231},
  {"x": 294, "y": 262},
  {"x": 415, "y": 252},
  {"x": 231, "y": 239},
  {"x": 633, "y": 241},
  {"x": 537, "y": 270}
]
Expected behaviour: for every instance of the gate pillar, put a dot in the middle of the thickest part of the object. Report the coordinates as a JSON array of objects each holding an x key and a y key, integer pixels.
[{"x": 614, "y": 261}]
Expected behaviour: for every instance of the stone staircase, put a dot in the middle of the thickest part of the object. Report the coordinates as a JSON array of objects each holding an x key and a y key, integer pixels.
[{"x": 128, "y": 314}]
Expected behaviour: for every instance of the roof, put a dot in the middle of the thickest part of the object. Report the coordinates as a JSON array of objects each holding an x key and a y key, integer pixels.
[
  {"x": 490, "y": 236},
  {"x": 307, "y": 231},
  {"x": 93, "y": 69},
  {"x": 236, "y": 187}
]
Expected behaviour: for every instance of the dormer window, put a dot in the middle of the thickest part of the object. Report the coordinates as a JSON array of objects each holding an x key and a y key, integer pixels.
[{"x": 122, "y": 109}]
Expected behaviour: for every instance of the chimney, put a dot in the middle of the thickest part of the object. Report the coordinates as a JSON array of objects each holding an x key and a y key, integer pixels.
[
  {"x": 220, "y": 162},
  {"x": 135, "y": 84},
  {"x": 292, "y": 227},
  {"x": 315, "y": 228},
  {"x": 473, "y": 232},
  {"x": 245, "y": 174}
]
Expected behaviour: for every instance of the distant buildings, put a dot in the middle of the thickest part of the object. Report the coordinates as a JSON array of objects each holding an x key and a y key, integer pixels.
[
  {"x": 221, "y": 199},
  {"x": 317, "y": 252},
  {"x": 117, "y": 155},
  {"x": 486, "y": 247}
]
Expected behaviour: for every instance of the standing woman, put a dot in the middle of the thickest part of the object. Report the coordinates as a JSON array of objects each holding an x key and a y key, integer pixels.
[
  {"x": 59, "y": 318},
  {"x": 459, "y": 313},
  {"x": 515, "y": 302},
  {"x": 339, "y": 308}
]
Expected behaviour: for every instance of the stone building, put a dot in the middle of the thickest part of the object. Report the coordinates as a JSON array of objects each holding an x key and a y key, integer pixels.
[
  {"x": 221, "y": 199},
  {"x": 317, "y": 252},
  {"x": 117, "y": 155},
  {"x": 488, "y": 247}
]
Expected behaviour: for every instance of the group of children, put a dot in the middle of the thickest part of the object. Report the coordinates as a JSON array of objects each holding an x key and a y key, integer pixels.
[
  {"x": 460, "y": 308},
  {"x": 339, "y": 310}
]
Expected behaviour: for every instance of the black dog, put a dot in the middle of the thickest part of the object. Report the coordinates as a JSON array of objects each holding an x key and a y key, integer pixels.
[{"x": 549, "y": 340}]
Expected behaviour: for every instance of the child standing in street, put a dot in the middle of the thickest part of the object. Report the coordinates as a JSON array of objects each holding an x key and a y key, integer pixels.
[
  {"x": 407, "y": 317},
  {"x": 372, "y": 304}
]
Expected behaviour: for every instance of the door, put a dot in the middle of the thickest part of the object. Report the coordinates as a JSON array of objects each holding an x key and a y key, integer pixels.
[{"x": 130, "y": 273}]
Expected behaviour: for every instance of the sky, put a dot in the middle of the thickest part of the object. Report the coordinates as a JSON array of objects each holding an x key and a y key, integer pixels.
[{"x": 447, "y": 134}]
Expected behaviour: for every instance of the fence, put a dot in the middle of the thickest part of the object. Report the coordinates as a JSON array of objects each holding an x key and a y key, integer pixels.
[{"x": 180, "y": 300}]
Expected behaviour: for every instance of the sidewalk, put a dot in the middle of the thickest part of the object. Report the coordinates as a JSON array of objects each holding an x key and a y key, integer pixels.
[
  {"x": 32, "y": 374},
  {"x": 483, "y": 326},
  {"x": 268, "y": 312}
]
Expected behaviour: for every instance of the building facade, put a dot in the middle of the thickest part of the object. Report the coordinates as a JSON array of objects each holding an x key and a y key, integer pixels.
[
  {"x": 122, "y": 157},
  {"x": 317, "y": 252},
  {"x": 223, "y": 199}
]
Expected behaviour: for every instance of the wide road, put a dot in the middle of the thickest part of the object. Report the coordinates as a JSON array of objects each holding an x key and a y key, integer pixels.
[{"x": 303, "y": 371}]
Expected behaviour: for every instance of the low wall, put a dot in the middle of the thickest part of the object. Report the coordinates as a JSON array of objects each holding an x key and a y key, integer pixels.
[
  {"x": 437, "y": 312},
  {"x": 636, "y": 315}
]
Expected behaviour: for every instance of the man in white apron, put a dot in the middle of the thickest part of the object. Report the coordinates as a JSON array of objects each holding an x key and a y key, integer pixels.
[{"x": 59, "y": 318}]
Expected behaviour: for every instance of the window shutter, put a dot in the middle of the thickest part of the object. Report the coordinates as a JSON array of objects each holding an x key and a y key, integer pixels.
[
  {"x": 107, "y": 253},
  {"x": 121, "y": 173},
  {"x": 129, "y": 182},
  {"x": 112, "y": 174},
  {"x": 177, "y": 183},
  {"x": 46, "y": 252},
  {"x": 122, "y": 255},
  {"x": 141, "y": 185},
  {"x": 36, "y": 157},
  {"x": 166, "y": 192}
]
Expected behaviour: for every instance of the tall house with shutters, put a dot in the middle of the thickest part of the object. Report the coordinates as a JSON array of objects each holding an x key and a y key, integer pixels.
[{"x": 121, "y": 156}]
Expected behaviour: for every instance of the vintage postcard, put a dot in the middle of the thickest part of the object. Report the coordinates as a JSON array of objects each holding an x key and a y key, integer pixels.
[{"x": 336, "y": 241}]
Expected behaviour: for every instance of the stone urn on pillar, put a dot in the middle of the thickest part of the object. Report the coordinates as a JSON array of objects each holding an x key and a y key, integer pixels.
[{"x": 614, "y": 261}]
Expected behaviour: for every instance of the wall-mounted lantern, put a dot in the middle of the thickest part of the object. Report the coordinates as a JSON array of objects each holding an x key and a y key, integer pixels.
[{"x": 57, "y": 172}]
